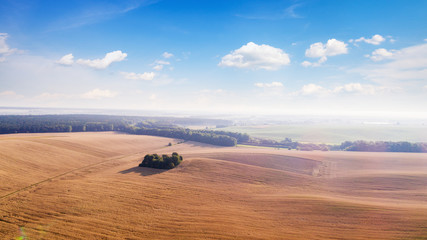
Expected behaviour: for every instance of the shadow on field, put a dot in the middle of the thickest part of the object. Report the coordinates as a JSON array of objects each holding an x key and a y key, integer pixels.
[{"x": 144, "y": 171}]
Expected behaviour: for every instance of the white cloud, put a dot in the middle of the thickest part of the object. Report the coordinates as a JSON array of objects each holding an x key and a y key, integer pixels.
[
  {"x": 313, "y": 89},
  {"x": 10, "y": 95},
  {"x": 99, "y": 94},
  {"x": 269, "y": 85},
  {"x": 381, "y": 54},
  {"x": 375, "y": 40},
  {"x": 51, "y": 96},
  {"x": 391, "y": 39},
  {"x": 66, "y": 60},
  {"x": 350, "y": 88},
  {"x": 332, "y": 48},
  {"x": 355, "y": 88},
  {"x": 4, "y": 48},
  {"x": 103, "y": 63},
  {"x": 255, "y": 56},
  {"x": 158, "y": 67},
  {"x": 139, "y": 76},
  {"x": 167, "y": 55},
  {"x": 306, "y": 64},
  {"x": 319, "y": 50},
  {"x": 405, "y": 64},
  {"x": 159, "y": 64},
  {"x": 314, "y": 64}
]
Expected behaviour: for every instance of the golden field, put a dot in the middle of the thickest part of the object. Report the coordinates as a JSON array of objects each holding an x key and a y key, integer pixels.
[{"x": 88, "y": 186}]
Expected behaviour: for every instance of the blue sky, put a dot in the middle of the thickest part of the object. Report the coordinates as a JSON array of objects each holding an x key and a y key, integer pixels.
[{"x": 273, "y": 57}]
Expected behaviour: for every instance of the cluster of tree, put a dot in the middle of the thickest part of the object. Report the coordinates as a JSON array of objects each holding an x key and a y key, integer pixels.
[
  {"x": 202, "y": 136},
  {"x": 155, "y": 124},
  {"x": 163, "y": 162},
  {"x": 240, "y": 137},
  {"x": 313, "y": 147},
  {"x": 286, "y": 143},
  {"x": 380, "y": 146}
]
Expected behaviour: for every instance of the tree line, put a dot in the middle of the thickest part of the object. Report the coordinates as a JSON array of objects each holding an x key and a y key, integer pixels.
[
  {"x": 381, "y": 146},
  {"x": 203, "y": 136},
  {"x": 61, "y": 123},
  {"x": 131, "y": 125},
  {"x": 165, "y": 127},
  {"x": 363, "y": 146}
]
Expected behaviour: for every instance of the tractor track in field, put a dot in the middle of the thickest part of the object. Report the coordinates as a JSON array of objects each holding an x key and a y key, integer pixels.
[{"x": 70, "y": 171}]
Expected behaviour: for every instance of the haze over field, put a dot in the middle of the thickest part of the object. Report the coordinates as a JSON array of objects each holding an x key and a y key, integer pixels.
[{"x": 281, "y": 57}]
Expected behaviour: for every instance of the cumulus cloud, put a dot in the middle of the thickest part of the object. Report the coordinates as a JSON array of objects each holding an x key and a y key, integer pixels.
[
  {"x": 66, "y": 60},
  {"x": 167, "y": 55},
  {"x": 331, "y": 48},
  {"x": 5, "y": 50},
  {"x": 381, "y": 54},
  {"x": 269, "y": 85},
  {"x": 319, "y": 50},
  {"x": 99, "y": 94},
  {"x": 255, "y": 56},
  {"x": 139, "y": 76},
  {"x": 375, "y": 40},
  {"x": 103, "y": 63}
]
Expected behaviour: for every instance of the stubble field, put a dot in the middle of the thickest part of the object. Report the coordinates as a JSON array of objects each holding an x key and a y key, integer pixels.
[{"x": 88, "y": 186}]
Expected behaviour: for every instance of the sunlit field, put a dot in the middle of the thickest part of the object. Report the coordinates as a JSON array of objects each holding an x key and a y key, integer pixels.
[
  {"x": 336, "y": 134},
  {"x": 88, "y": 186}
]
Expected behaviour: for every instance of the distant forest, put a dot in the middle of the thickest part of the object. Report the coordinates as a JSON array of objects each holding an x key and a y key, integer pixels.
[
  {"x": 360, "y": 146},
  {"x": 164, "y": 127},
  {"x": 175, "y": 128},
  {"x": 381, "y": 146}
]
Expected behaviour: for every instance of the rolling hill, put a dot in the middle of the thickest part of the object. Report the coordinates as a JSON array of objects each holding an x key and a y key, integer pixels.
[{"x": 88, "y": 186}]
